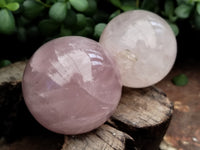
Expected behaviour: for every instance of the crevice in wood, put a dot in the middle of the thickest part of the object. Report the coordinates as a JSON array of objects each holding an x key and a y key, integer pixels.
[
  {"x": 129, "y": 145},
  {"x": 144, "y": 137},
  {"x": 111, "y": 146}
]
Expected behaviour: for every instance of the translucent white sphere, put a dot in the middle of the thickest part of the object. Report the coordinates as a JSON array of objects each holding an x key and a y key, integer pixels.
[{"x": 143, "y": 45}]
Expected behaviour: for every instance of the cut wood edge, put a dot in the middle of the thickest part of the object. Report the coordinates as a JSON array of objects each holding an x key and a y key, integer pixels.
[
  {"x": 145, "y": 115},
  {"x": 105, "y": 137},
  {"x": 13, "y": 72},
  {"x": 143, "y": 108}
]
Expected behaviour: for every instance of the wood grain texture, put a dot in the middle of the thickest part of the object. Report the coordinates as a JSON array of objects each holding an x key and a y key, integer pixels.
[
  {"x": 103, "y": 138},
  {"x": 139, "y": 122},
  {"x": 144, "y": 114},
  {"x": 143, "y": 107},
  {"x": 12, "y": 72}
]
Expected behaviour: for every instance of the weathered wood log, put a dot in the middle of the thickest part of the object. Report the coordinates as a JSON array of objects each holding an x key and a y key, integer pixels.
[
  {"x": 103, "y": 138},
  {"x": 12, "y": 73},
  {"x": 139, "y": 122},
  {"x": 144, "y": 114}
]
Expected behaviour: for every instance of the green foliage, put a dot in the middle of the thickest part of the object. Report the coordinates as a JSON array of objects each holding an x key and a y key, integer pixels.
[
  {"x": 58, "y": 11},
  {"x": 13, "y": 6},
  {"x": 92, "y": 7},
  {"x": 125, "y": 5},
  {"x": 21, "y": 34},
  {"x": 71, "y": 19},
  {"x": 47, "y": 19},
  {"x": 32, "y": 9},
  {"x": 2, "y": 3},
  {"x": 183, "y": 11},
  {"x": 98, "y": 29},
  {"x": 169, "y": 8},
  {"x": 4, "y": 63},
  {"x": 48, "y": 27},
  {"x": 197, "y": 21},
  {"x": 79, "y": 5},
  {"x": 65, "y": 32},
  {"x": 152, "y": 5},
  {"x": 116, "y": 3},
  {"x": 198, "y": 8},
  {"x": 180, "y": 80},
  {"x": 81, "y": 20},
  {"x": 174, "y": 28},
  {"x": 7, "y": 22},
  {"x": 114, "y": 14}
]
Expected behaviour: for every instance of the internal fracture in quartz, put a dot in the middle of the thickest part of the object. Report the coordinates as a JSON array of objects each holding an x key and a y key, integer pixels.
[
  {"x": 71, "y": 86},
  {"x": 143, "y": 45}
]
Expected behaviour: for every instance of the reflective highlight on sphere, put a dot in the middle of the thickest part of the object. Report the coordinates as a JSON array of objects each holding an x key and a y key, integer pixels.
[
  {"x": 144, "y": 47},
  {"x": 71, "y": 86}
]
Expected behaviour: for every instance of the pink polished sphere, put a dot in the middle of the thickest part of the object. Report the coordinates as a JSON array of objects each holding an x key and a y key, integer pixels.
[
  {"x": 71, "y": 86},
  {"x": 143, "y": 45}
]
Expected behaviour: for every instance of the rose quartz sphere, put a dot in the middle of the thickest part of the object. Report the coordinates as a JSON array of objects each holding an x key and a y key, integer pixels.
[
  {"x": 144, "y": 47},
  {"x": 71, "y": 86}
]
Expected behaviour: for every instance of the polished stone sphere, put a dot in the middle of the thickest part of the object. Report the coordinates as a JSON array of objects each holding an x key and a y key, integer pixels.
[
  {"x": 71, "y": 85},
  {"x": 143, "y": 45}
]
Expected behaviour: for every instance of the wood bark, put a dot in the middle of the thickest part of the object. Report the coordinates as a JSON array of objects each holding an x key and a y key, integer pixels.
[
  {"x": 144, "y": 114},
  {"x": 139, "y": 122}
]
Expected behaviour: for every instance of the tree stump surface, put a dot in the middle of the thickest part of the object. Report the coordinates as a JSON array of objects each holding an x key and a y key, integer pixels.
[{"x": 139, "y": 122}]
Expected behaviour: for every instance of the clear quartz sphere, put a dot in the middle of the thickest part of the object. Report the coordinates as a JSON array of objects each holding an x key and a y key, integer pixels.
[
  {"x": 143, "y": 45},
  {"x": 71, "y": 86}
]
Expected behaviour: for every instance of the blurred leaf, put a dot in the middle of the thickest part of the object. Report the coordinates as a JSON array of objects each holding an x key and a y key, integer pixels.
[
  {"x": 23, "y": 21},
  {"x": 198, "y": 8},
  {"x": 81, "y": 20},
  {"x": 183, "y": 11},
  {"x": 58, "y": 11},
  {"x": 85, "y": 31},
  {"x": 151, "y": 5},
  {"x": 16, "y": 1},
  {"x": 173, "y": 18},
  {"x": 100, "y": 16},
  {"x": 128, "y": 5},
  {"x": 116, "y": 3},
  {"x": 21, "y": 34},
  {"x": 179, "y": 2},
  {"x": 98, "y": 29},
  {"x": 4, "y": 63},
  {"x": 32, "y": 32},
  {"x": 90, "y": 22},
  {"x": 174, "y": 28},
  {"x": 169, "y": 8},
  {"x": 92, "y": 7},
  {"x": 188, "y": 2},
  {"x": 2, "y": 3},
  {"x": 114, "y": 14},
  {"x": 65, "y": 32},
  {"x": 197, "y": 21},
  {"x": 32, "y": 9},
  {"x": 13, "y": 6},
  {"x": 51, "y": 1},
  {"x": 79, "y": 5},
  {"x": 48, "y": 27},
  {"x": 7, "y": 22},
  {"x": 180, "y": 80},
  {"x": 71, "y": 18}
]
